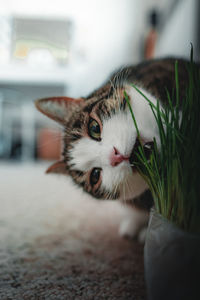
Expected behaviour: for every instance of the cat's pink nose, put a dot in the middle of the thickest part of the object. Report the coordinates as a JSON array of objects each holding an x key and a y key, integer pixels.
[{"x": 116, "y": 157}]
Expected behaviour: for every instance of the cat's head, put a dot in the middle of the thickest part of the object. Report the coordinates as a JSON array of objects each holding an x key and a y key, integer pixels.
[{"x": 98, "y": 143}]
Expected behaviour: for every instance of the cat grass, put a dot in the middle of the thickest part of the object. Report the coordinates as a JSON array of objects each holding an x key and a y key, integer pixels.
[{"x": 172, "y": 171}]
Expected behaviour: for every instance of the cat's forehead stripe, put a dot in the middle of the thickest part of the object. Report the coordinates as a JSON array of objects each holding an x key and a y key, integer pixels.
[
  {"x": 89, "y": 108},
  {"x": 104, "y": 92}
]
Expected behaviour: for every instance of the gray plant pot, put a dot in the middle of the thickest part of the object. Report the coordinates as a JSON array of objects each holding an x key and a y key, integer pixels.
[{"x": 172, "y": 261}]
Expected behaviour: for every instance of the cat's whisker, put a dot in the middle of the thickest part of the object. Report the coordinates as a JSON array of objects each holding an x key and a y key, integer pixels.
[
  {"x": 109, "y": 197},
  {"x": 112, "y": 194},
  {"x": 116, "y": 188},
  {"x": 124, "y": 193},
  {"x": 128, "y": 186},
  {"x": 124, "y": 186}
]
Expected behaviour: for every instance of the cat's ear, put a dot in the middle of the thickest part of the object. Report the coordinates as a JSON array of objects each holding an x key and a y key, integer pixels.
[
  {"x": 58, "y": 108},
  {"x": 58, "y": 167}
]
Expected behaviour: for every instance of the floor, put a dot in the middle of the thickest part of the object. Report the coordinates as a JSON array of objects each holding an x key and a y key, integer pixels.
[{"x": 57, "y": 243}]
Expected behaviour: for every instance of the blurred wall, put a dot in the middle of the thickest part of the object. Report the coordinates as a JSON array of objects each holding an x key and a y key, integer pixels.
[
  {"x": 107, "y": 34},
  {"x": 115, "y": 31},
  {"x": 180, "y": 30}
]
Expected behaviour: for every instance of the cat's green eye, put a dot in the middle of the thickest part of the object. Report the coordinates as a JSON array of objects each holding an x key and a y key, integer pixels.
[
  {"x": 95, "y": 176},
  {"x": 94, "y": 129}
]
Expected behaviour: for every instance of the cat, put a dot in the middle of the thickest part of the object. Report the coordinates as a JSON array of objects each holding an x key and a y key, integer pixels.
[{"x": 100, "y": 138}]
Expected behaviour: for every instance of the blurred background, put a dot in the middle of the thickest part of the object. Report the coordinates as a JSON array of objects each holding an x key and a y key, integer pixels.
[{"x": 69, "y": 47}]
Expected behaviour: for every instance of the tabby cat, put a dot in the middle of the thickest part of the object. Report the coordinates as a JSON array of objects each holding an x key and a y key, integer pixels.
[{"x": 100, "y": 138}]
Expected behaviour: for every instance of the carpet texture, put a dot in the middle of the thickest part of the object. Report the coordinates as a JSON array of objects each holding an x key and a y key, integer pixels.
[{"x": 58, "y": 243}]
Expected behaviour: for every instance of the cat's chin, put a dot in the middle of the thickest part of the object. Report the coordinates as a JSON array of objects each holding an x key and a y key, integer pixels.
[
  {"x": 133, "y": 156},
  {"x": 133, "y": 225},
  {"x": 132, "y": 161}
]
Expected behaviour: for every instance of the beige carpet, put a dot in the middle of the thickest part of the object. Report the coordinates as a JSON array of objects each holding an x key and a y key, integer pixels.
[{"x": 57, "y": 243}]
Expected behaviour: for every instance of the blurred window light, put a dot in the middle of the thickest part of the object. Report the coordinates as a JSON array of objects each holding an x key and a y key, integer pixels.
[
  {"x": 42, "y": 8},
  {"x": 41, "y": 41}
]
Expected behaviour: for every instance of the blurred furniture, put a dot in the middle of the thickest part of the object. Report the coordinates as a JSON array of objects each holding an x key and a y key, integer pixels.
[
  {"x": 19, "y": 120},
  {"x": 36, "y": 67},
  {"x": 37, "y": 40},
  {"x": 48, "y": 144}
]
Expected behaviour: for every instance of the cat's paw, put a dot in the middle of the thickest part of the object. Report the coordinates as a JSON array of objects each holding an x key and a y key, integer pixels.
[
  {"x": 128, "y": 229},
  {"x": 142, "y": 235},
  {"x": 133, "y": 225}
]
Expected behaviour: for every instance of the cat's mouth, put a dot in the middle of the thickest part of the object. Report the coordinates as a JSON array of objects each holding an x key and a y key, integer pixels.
[
  {"x": 132, "y": 158},
  {"x": 147, "y": 148}
]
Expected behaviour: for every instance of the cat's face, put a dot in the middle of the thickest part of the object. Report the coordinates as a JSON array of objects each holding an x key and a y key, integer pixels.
[{"x": 99, "y": 142}]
